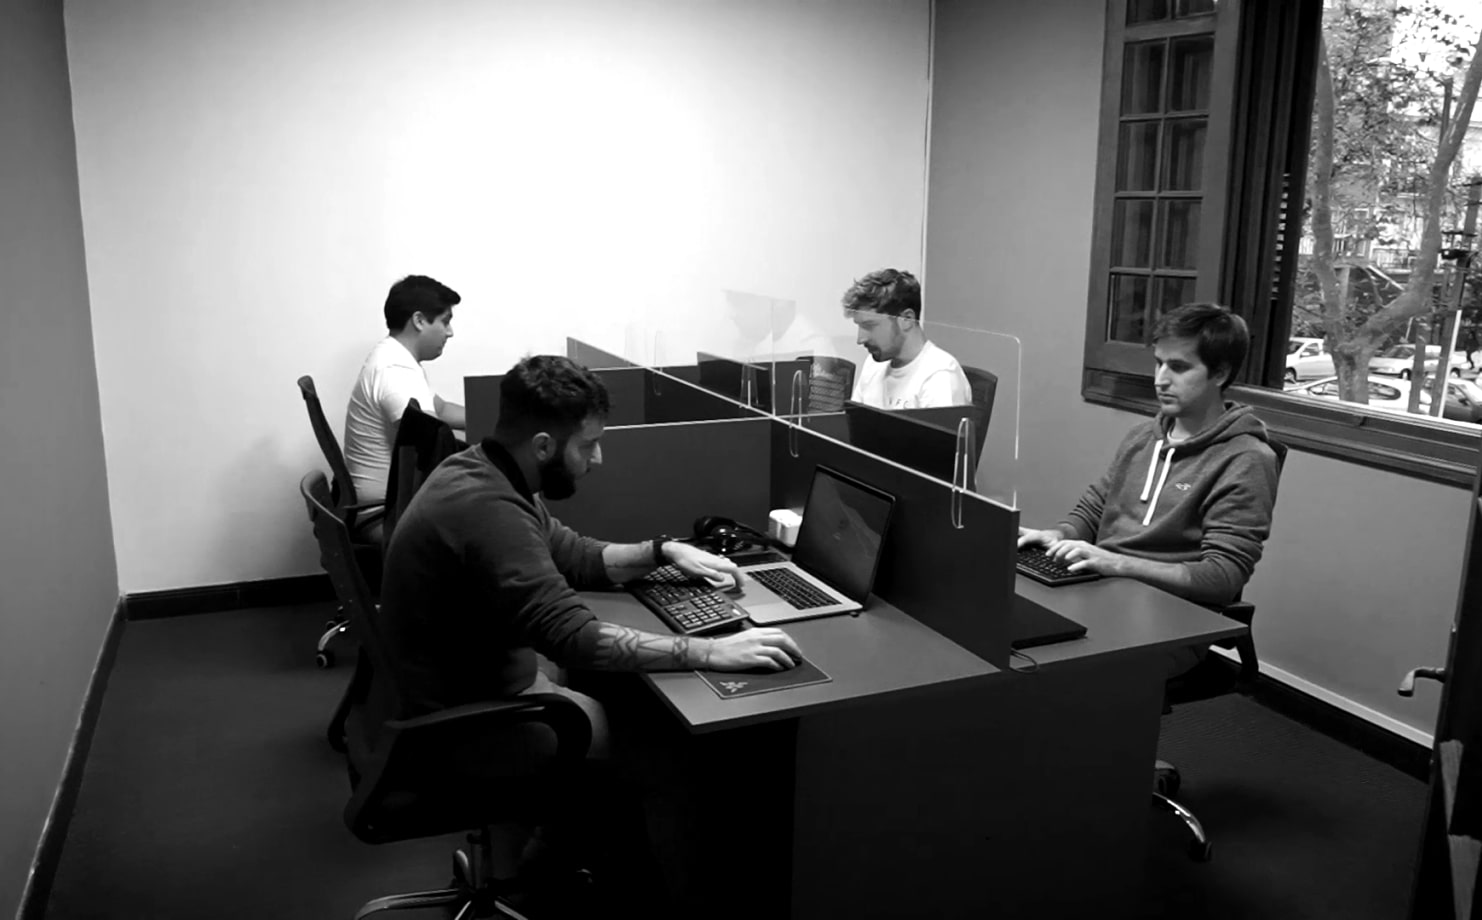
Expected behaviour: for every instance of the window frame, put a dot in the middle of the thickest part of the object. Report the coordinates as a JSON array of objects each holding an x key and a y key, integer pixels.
[{"x": 1265, "y": 50}]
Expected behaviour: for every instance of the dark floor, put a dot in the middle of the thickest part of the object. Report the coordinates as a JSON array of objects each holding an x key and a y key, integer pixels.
[{"x": 211, "y": 792}]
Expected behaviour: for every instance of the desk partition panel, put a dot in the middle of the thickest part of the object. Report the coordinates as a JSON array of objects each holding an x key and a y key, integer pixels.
[
  {"x": 588, "y": 355},
  {"x": 949, "y": 556},
  {"x": 659, "y": 478}
]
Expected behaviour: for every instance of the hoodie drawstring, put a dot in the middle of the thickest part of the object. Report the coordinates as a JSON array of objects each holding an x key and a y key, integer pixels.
[
  {"x": 1162, "y": 478},
  {"x": 1151, "y": 466}
]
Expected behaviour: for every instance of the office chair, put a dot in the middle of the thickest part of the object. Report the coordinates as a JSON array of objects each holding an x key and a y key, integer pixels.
[
  {"x": 1208, "y": 679},
  {"x": 984, "y": 386},
  {"x": 361, "y": 517},
  {"x": 829, "y": 384},
  {"x": 526, "y": 751}
]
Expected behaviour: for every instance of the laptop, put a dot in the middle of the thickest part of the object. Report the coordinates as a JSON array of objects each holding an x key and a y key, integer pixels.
[
  {"x": 1031, "y": 625},
  {"x": 833, "y": 564}
]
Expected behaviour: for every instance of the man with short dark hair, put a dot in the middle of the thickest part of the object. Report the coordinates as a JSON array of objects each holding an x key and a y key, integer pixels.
[
  {"x": 905, "y": 370},
  {"x": 1186, "y": 503},
  {"x": 419, "y": 318},
  {"x": 479, "y": 596}
]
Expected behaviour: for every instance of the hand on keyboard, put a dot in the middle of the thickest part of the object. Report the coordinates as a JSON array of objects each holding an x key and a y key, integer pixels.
[
  {"x": 692, "y": 560},
  {"x": 1080, "y": 556}
]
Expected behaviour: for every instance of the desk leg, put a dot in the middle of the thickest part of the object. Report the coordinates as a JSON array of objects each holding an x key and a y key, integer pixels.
[{"x": 1020, "y": 795}]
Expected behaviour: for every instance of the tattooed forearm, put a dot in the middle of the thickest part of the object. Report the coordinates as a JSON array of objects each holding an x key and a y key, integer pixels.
[{"x": 619, "y": 648}]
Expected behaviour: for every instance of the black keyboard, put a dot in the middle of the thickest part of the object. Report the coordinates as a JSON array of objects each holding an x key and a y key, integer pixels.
[
  {"x": 1037, "y": 564},
  {"x": 786, "y": 584},
  {"x": 688, "y": 606}
]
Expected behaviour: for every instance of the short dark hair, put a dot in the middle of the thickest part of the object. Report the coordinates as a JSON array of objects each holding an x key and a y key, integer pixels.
[
  {"x": 1222, "y": 337},
  {"x": 549, "y": 393},
  {"x": 887, "y": 291},
  {"x": 418, "y": 294}
]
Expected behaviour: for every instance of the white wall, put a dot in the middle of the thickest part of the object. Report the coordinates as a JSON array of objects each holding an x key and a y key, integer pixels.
[
  {"x": 254, "y": 176},
  {"x": 1360, "y": 577}
]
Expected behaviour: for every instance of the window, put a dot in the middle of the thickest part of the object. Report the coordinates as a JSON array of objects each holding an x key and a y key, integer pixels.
[
  {"x": 1202, "y": 193},
  {"x": 1160, "y": 179}
]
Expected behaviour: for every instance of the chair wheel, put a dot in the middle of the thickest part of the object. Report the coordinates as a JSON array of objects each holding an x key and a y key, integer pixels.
[
  {"x": 1166, "y": 781},
  {"x": 324, "y": 660},
  {"x": 1201, "y": 852}
]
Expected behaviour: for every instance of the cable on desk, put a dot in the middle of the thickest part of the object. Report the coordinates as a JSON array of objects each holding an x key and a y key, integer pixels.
[{"x": 1033, "y": 665}]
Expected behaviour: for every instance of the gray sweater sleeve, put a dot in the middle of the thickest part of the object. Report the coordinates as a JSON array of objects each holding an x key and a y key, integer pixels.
[
  {"x": 1237, "y": 521},
  {"x": 577, "y": 557}
]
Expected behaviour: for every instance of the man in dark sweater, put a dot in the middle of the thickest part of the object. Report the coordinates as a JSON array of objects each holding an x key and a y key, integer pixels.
[
  {"x": 1186, "y": 503},
  {"x": 479, "y": 596}
]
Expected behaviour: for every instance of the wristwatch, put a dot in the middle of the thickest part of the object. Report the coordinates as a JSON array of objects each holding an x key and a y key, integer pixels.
[{"x": 659, "y": 542}]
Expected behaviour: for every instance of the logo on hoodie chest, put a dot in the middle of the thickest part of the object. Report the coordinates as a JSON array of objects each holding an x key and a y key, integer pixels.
[{"x": 1183, "y": 486}]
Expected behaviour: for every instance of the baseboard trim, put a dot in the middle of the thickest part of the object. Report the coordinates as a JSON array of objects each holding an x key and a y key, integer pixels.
[
  {"x": 268, "y": 592},
  {"x": 37, "y": 890},
  {"x": 1382, "y": 737}
]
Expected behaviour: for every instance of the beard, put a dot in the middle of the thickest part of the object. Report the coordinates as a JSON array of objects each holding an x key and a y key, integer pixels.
[{"x": 556, "y": 481}]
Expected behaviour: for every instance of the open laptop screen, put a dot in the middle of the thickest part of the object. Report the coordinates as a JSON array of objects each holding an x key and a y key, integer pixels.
[{"x": 843, "y": 529}]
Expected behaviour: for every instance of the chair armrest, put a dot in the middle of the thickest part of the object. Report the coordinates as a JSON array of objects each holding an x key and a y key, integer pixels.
[
  {"x": 362, "y": 514},
  {"x": 1239, "y": 611}
]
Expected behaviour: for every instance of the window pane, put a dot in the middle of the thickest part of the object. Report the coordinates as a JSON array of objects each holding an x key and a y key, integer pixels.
[
  {"x": 1194, "y": 7},
  {"x": 1127, "y": 317},
  {"x": 1189, "y": 74},
  {"x": 1185, "y": 155},
  {"x": 1132, "y": 233},
  {"x": 1142, "y": 79},
  {"x": 1180, "y": 234},
  {"x": 1137, "y": 157},
  {"x": 1146, "y": 10},
  {"x": 1173, "y": 293}
]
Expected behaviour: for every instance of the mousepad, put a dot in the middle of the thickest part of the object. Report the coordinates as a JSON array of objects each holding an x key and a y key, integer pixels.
[{"x": 731, "y": 684}]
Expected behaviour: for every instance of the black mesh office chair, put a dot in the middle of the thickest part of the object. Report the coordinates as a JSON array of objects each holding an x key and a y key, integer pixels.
[
  {"x": 363, "y": 518},
  {"x": 830, "y": 382},
  {"x": 1212, "y": 677},
  {"x": 516, "y": 755},
  {"x": 984, "y": 386}
]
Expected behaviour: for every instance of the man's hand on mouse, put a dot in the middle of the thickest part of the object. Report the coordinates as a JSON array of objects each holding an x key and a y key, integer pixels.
[{"x": 763, "y": 647}]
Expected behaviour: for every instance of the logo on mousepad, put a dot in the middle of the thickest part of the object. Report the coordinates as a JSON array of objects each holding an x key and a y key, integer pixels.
[{"x": 749, "y": 683}]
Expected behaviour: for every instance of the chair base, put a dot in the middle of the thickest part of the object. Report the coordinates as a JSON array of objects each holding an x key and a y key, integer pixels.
[
  {"x": 336, "y": 625},
  {"x": 1200, "y": 849},
  {"x": 474, "y": 891}
]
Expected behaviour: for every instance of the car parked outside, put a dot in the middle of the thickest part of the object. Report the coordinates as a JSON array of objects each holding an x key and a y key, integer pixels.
[
  {"x": 1383, "y": 393},
  {"x": 1399, "y": 361},
  {"x": 1463, "y": 397},
  {"x": 1307, "y": 358}
]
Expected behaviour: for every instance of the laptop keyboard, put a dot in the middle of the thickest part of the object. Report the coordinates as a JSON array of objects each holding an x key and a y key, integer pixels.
[
  {"x": 786, "y": 584},
  {"x": 688, "y": 606}
]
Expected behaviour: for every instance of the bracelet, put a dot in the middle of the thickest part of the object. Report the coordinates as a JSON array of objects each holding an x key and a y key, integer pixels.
[{"x": 659, "y": 542}]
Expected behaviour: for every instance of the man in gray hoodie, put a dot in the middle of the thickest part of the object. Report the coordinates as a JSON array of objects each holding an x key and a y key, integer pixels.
[{"x": 1186, "y": 503}]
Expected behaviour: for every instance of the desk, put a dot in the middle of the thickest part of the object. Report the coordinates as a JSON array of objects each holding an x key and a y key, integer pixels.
[{"x": 927, "y": 783}]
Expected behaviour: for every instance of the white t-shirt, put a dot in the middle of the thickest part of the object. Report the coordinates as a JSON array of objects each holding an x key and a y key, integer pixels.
[
  {"x": 390, "y": 378},
  {"x": 933, "y": 379}
]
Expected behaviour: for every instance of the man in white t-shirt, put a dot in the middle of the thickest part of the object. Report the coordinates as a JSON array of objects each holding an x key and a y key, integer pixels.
[
  {"x": 419, "y": 317},
  {"x": 905, "y": 371}
]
